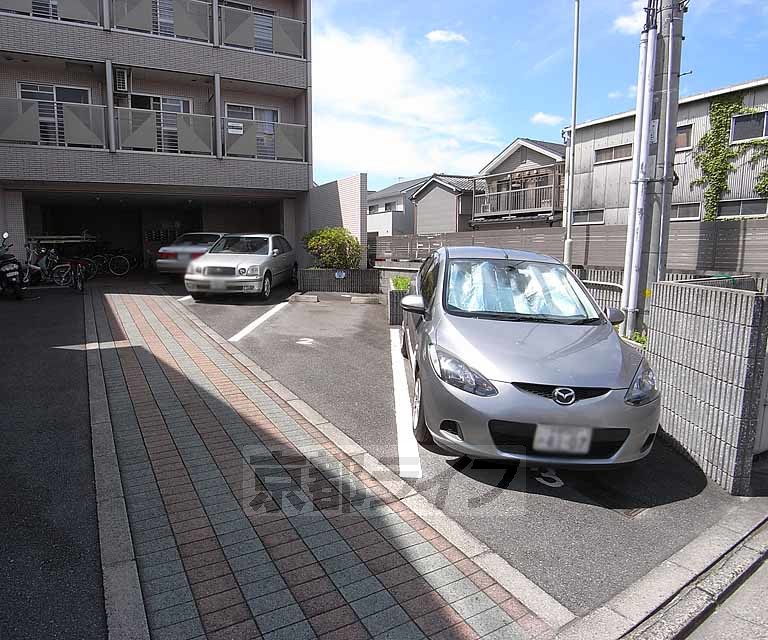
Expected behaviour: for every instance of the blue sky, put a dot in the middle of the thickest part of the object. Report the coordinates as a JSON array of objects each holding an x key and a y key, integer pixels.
[{"x": 406, "y": 88}]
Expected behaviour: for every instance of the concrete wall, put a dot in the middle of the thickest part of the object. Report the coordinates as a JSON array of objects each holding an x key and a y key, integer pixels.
[
  {"x": 342, "y": 203},
  {"x": 381, "y": 223},
  {"x": 606, "y": 185},
  {"x": 436, "y": 210},
  {"x": 12, "y": 220},
  {"x": 708, "y": 347}
]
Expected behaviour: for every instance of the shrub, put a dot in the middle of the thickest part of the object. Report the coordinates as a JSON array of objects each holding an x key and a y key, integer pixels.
[
  {"x": 401, "y": 283},
  {"x": 640, "y": 338},
  {"x": 334, "y": 248}
]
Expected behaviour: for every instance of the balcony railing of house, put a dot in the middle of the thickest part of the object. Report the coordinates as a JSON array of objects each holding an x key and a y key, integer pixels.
[
  {"x": 84, "y": 125},
  {"x": 57, "y": 124},
  {"x": 533, "y": 191},
  {"x": 185, "y": 19}
]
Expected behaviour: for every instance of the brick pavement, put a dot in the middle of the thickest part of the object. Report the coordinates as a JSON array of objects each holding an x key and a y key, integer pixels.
[{"x": 247, "y": 522}]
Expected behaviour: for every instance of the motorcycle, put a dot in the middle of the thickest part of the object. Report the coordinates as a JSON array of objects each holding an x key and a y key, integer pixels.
[{"x": 10, "y": 270}]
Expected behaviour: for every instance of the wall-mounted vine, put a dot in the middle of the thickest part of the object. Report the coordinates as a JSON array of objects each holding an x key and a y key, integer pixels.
[{"x": 715, "y": 155}]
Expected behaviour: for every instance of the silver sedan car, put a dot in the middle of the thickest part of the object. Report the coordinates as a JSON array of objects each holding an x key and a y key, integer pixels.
[
  {"x": 176, "y": 256},
  {"x": 513, "y": 360},
  {"x": 242, "y": 263}
]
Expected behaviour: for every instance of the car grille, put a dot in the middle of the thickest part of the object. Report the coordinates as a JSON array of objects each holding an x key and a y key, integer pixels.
[
  {"x": 219, "y": 271},
  {"x": 512, "y": 437},
  {"x": 546, "y": 390}
]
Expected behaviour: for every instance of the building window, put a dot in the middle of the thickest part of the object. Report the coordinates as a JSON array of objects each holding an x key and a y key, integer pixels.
[
  {"x": 592, "y": 216},
  {"x": 683, "y": 139},
  {"x": 731, "y": 208},
  {"x": 609, "y": 154},
  {"x": 265, "y": 120},
  {"x": 50, "y": 106},
  {"x": 262, "y": 24},
  {"x": 374, "y": 208},
  {"x": 689, "y": 211},
  {"x": 389, "y": 206},
  {"x": 749, "y": 127}
]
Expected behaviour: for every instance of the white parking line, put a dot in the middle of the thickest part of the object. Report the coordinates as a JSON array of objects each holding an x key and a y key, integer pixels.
[
  {"x": 184, "y": 299},
  {"x": 407, "y": 447},
  {"x": 258, "y": 321}
]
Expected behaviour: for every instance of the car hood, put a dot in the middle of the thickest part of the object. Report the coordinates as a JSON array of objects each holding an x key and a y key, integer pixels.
[
  {"x": 230, "y": 260},
  {"x": 551, "y": 354}
]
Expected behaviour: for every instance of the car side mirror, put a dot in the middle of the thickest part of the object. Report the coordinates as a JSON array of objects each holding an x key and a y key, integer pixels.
[
  {"x": 275, "y": 252},
  {"x": 414, "y": 304},
  {"x": 615, "y": 316}
]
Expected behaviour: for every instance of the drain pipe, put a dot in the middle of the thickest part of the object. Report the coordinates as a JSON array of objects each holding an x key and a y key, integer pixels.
[
  {"x": 631, "y": 212},
  {"x": 642, "y": 178}
]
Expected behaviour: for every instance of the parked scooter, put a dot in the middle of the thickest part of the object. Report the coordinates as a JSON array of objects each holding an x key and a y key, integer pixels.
[{"x": 10, "y": 270}]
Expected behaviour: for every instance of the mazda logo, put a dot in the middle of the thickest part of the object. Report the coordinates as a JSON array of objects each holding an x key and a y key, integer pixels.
[{"x": 564, "y": 396}]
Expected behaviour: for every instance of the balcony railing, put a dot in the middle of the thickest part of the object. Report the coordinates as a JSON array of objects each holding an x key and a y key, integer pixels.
[
  {"x": 264, "y": 140},
  {"x": 87, "y": 11},
  {"x": 187, "y": 19},
  {"x": 514, "y": 201},
  {"x": 164, "y": 131},
  {"x": 47, "y": 123},
  {"x": 262, "y": 32},
  {"x": 61, "y": 124}
]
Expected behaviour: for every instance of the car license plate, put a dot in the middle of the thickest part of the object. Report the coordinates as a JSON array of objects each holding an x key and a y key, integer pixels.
[
  {"x": 556, "y": 439},
  {"x": 218, "y": 284},
  {"x": 249, "y": 287}
]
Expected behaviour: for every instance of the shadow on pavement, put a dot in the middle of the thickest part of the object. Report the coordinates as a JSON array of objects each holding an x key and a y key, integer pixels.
[{"x": 664, "y": 477}]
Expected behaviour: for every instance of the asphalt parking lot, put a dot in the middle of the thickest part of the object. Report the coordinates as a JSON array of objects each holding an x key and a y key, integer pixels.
[
  {"x": 583, "y": 536},
  {"x": 51, "y": 571}
]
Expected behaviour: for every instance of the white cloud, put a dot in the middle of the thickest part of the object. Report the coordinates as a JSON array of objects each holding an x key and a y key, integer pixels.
[
  {"x": 630, "y": 93},
  {"x": 378, "y": 110},
  {"x": 547, "y": 119},
  {"x": 631, "y": 23},
  {"x": 441, "y": 35}
]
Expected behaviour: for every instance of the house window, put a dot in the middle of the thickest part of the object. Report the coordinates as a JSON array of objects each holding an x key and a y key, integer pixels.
[
  {"x": 592, "y": 216},
  {"x": 166, "y": 120},
  {"x": 609, "y": 154},
  {"x": 729, "y": 208},
  {"x": 749, "y": 127},
  {"x": 265, "y": 119},
  {"x": 50, "y": 99},
  {"x": 685, "y": 211},
  {"x": 374, "y": 208},
  {"x": 389, "y": 206},
  {"x": 683, "y": 139}
]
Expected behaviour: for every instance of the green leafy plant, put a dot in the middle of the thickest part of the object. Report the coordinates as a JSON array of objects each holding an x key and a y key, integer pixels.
[
  {"x": 401, "y": 283},
  {"x": 334, "y": 248},
  {"x": 640, "y": 338},
  {"x": 715, "y": 155}
]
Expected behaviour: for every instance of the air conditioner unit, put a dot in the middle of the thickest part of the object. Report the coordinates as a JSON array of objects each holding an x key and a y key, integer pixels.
[{"x": 122, "y": 80}]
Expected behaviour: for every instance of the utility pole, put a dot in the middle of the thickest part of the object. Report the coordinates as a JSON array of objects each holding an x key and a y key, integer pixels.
[
  {"x": 568, "y": 248},
  {"x": 661, "y": 159}
]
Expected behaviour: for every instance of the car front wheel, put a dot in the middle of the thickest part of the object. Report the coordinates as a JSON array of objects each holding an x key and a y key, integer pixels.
[
  {"x": 266, "y": 287},
  {"x": 420, "y": 431}
]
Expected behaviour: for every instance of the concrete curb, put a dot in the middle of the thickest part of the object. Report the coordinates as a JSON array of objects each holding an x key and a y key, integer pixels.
[
  {"x": 123, "y": 601},
  {"x": 525, "y": 590},
  {"x": 680, "y": 591},
  {"x": 692, "y": 606}
]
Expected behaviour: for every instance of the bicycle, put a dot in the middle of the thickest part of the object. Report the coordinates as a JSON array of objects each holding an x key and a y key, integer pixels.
[
  {"x": 116, "y": 264},
  {"x": 72, "y": 273}
]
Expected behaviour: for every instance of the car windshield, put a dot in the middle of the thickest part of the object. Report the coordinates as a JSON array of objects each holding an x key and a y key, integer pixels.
[
  {"x": 517, "y": 290},
  {"x": 242, "y": 244},
  {"x": 189, "y": 239}
]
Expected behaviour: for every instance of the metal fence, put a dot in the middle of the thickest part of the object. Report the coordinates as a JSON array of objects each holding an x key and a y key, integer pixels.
[{"x": 727, "y": 246}]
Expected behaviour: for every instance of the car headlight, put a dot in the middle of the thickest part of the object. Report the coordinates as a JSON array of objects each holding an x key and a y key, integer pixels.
[
  {"x": 454, "y": 372},
  {"x": 643, "y": 388},
  {"x": 193, "y": 268},
  {"x": 253, "y": 271}
]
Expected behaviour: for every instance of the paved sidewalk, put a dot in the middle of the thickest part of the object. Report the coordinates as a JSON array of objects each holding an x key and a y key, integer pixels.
[
  {"x": 247, "y": 522},
  {"x": 743, "y": 615}
]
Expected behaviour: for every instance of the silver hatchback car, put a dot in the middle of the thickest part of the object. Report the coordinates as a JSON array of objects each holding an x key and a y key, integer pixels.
[
  {"x": 242, "y": 263},
  {"x": 513, "y": 360}
]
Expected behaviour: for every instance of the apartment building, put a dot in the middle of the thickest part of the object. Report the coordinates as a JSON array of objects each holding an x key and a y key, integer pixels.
[
  {"x": 140, "y": 119},
  {"x": 603, "y": 160},
  {"x": 390, "y": 210}
]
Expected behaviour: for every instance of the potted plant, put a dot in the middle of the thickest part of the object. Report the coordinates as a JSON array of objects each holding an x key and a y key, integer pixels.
[
  {"x": 337, "y": 253},
  {"x": 399, "y": 286}
]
